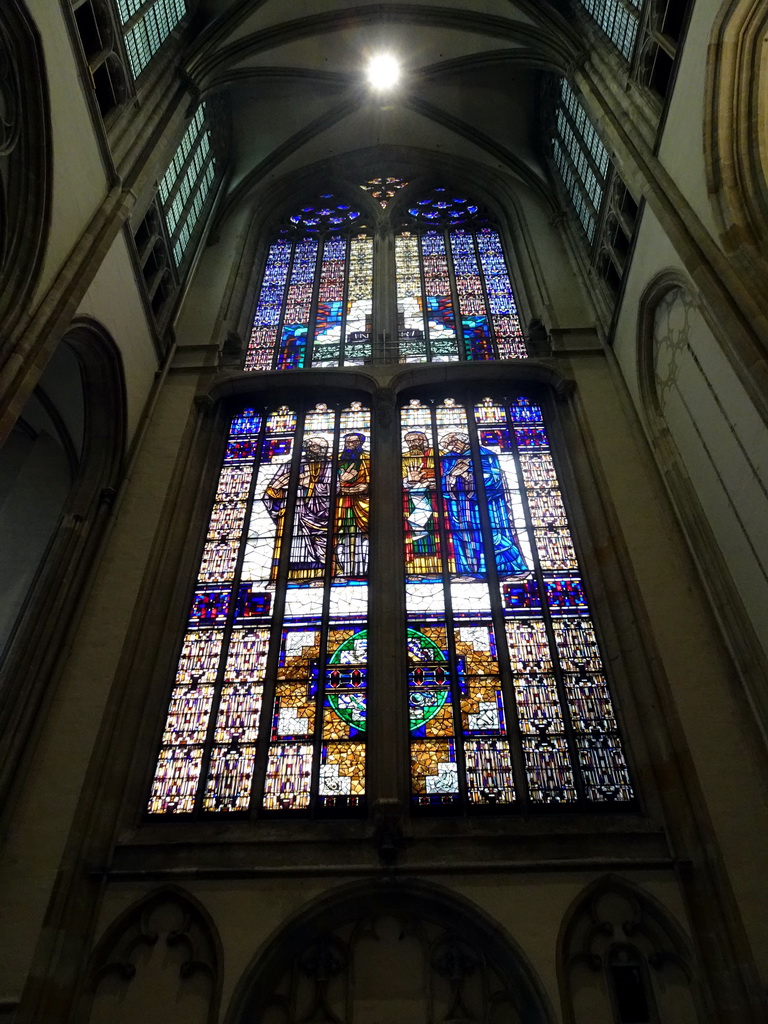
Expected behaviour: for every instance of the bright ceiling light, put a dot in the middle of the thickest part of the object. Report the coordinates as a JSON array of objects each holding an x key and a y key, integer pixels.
[{"x": 383, "y": 72}]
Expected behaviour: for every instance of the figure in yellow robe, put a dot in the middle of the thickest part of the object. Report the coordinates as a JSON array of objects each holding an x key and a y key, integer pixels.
[{"x": 352, "y": 509}]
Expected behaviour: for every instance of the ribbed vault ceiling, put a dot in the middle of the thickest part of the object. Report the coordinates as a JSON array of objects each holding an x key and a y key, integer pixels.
[{"x": 292, "y": 72}]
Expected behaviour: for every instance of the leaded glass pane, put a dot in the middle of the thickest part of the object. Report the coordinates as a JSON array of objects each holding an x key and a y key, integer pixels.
[
  {"x": 281, "y": 603},
  {"x": 383, "y": 189},
  {"x": 454, "y": 297},
  {"x": 580, "y": 157},
  {"x": 357, "y": 332},
  {"x": 619, "y": 21},
  {"x": 504, "y": 641},
  {"x": 316, "y": 301},
  {"x": 143, "y": 38}
]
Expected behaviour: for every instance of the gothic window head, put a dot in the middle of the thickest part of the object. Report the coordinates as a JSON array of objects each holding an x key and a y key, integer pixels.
[{"x": 449, "y": 285}]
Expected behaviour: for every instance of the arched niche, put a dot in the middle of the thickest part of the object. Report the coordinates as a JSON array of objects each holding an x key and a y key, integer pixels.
[
  {"x": 736, "y": 134},
  {"x": 24, "y": 160},
  {"x": 708, "y": 440},
  {"x": 623, "y": 960},
  {"x": 159, "y": 960},
  {"x": 59, "y": 470},
  {"x": 396, "y": 953}
]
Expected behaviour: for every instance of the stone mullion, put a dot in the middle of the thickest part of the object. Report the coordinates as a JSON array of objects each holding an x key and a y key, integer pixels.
[
  {"x": 384, "y": 333},
  {"x": 387, "y": 755}
]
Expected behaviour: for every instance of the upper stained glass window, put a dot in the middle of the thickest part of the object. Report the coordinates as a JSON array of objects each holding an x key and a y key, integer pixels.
[
  {"x": 316, "y": 302},
  {"x": 454, "y": 296},
  {"x": 508, "y": 697},
  {"x": 450, "y": 290},
  {"x": 279, "y": 613}
]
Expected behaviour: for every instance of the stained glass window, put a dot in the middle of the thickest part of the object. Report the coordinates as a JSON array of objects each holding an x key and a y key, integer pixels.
[
  {"x": 508, "y": 697},
  {"x": 581, "y": 158},
  {"x": 146, "y": 26},
  {"x": 454, "y": 296},
  {"x": 452, "y": 293},
  {"x": 279, "y": 614},
  {"x": 316, "y": 301}
]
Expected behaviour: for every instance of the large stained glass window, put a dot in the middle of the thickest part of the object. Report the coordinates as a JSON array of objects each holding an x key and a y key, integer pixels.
[
  {"x": 508, "y": 698},
  {"x": 279, "y": 614},
  {"x": 316, "y": 301},
  {"x": 454, "y": 297}
]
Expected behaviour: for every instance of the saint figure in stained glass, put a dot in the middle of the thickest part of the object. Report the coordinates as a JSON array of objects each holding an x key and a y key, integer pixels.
[
  {"x": 420, "y": 512},
  {"x": 353, "y": 508},
  {"x": 463, "y": 510},
  {"x": 310, "y": 527}
]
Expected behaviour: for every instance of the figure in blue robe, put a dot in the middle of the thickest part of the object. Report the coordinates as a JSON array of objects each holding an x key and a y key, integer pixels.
[{"x": 463, "y": 510}]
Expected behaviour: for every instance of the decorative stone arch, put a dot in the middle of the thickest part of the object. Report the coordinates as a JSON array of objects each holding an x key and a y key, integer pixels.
[
  {"x": 736, "y": 149},
  {"x": 618, "y": 949},
  {"x": 459, "y": 962},
  {"x": 25, "y": 161},
  {"x": 163, "y": 957},
  {"x": 49, "y": 610},
  {"x": 722, "y": 589}
]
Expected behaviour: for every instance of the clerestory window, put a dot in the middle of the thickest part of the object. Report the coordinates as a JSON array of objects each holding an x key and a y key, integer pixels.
[
  {"x": 502, "y": 688},
  {"x": 601, "y": 201},
  {"x": 618, "y": 19},
  {"x": 449, "y": 285},
  {"x": 132, "y": 29},
  {"x": 186, "y": 187},
  {"x": 146, "y": 24}
]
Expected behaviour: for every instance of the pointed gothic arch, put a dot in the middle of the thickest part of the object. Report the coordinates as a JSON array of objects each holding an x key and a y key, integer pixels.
[
  {"x": 623, "y": 959},
  {"x": 458, "y": 960},
  {"x": 82, "y": 422},
  {"x": 161, "y": 958}
]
